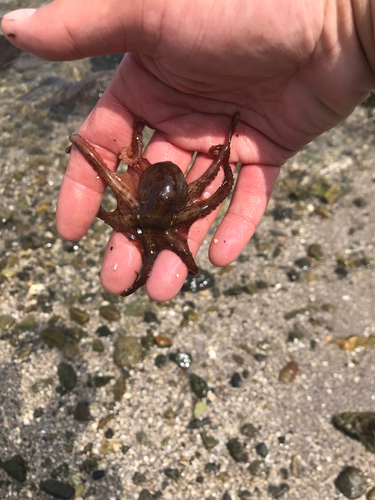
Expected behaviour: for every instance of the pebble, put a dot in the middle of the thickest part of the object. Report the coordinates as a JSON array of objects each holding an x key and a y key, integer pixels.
[
  {"x": 182, "y": 359},
  {"x": 258, "y": 468},
  {"x": 198, "y": 385},
  {"x": 357, "y": 425},
  {"x": 67, "y": 375},
  {"x": 57, "y": 489},
  {"x": 248, "y": 430},
  {"x": 236, "y": 380},
  {"x": 127, "y": 352},
  {"x": 139, "y": 478},
  {"x": 226, "y": 496},
  {"x": 172, "y": 473},
  {"x": 82, "y": 412},
  {"x": 79, "y": 316},
  {"x": 103, "y": 331},
  {"x": 351, "y": 482},
  {"x": 97, "y": 345},
  {"x": 315, "y": 251},
  {"x": 98, "y": 474},
  {"x": 119, "y": 388},
  {"x": 15, "y": 467},
  {"x": 236, "y": 450},
  {"x": 277, "y": 491},
  {"x": 200, "y": 409},
  {"x": 54, "y": 336},
  {"x": 162, "y": 340},
  {"x": 209, "y": 441},
  {"x": 261, "y": 449},
  {"x": 371, "y": 494},
  {"x": 202, "y": 281},
  {"x": 289, "y": 373},
  {"x": 110, "y": 312}
]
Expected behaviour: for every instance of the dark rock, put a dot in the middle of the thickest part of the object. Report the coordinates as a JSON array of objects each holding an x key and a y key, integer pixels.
[
  {"x": 182, "y": 359},
  {"x": 315, "y": 251},
  {"x": 236, "y": 380},
  {"x": 80, "y": 317},
  {"x": 371, "y": 494},
  {"x": 57, "y": 489},
  {"x": 351, "y": 482},
  {"x": 281, "y": 213},
  {"x": 258, "y": 468},
  {"x": 248, "y": 430},
  {"x": 295, "y": 335},
  {"x": 198, "y": 385},
  {"x": 357, "y": 425},
  {"x": 236, "y": 450},
  {"x": 200, "y": 479},
  {"x": 244, "y": 494},
  {"x": 67, "y": 375},
  {"x": 82, "y": 412},
  {"x": 212, "y": 468},
  {"x": 293, "y": 275},
  {"x": 360, "y": 202},
  {"x": 201, "y": 281},
  {"x": 38, "y": 412},
  {"x": 98, "y": 474},
  {"x": 161, "y": 360},
  {"x": 124, "y": 449},
  {"x": 54, "y": 336},
  {"x": 102, "y": 381},
  {"x": 209, "y": 441},
  {"x": 8, "y": 53},
  {"x": 172, "y": 473},
  {"x": 15, "y": 467},
  {"x": 261, "y": 449},
  {"x": 150, "y": 317},
  {"x": 109, "y": 434},
  {"x": 198, "y": 423},
  {"x": 127, "y": 352},
  {"x": 139, "y": 478},
  {"x": 303, "y": 263},
  {"x": 97, "y": 345},
  {"x": 142, "y": 438},
  {"x": 103, "y": 331},
  {"x": 33, "y": 241},
  {"x": 110, "y": 312},
  {"x": 226, "y": 496},
  {"x": 146, "y": 495},
  {"x": 277, "y": 491}
]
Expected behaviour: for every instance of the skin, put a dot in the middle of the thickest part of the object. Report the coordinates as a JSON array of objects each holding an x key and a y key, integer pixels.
[{"x": 292, "y": 70}]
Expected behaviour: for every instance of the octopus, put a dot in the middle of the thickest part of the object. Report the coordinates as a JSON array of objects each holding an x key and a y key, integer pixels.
[{"x": 155, "y": 205}]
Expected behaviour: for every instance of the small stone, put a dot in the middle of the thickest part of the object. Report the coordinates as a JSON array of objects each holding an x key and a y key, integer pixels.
[
  {"x": 289, "y": 373},
  {"x": 281, "y": 213},
  {"x": 371, "y": 494},
  {"x": 82, "y": 412},
  {"x": 67, "y": 375},
  {"x": 124, "y": 449},
  {"x": 80, "y": 317},
  {"x": 315, "y": 251},
  {"x": 119, "y": 388},
  {"x": 200, "y": 409},
  {"x": 258, "y": 468},
  {"x": 360, "y": 202},
  {"x": 236, "y": 380},
  {"x": 244, "y": 495},
  {"x": 172, "y": 473},
  {"x": 201, "y": 281},
  {"x": 16, "y": 468},
  {"x": 236, "y": 450},
  {"x": 209, "y": 441},
  {"x": 98, "y": 474},
  {"x": 57, "y": 489},
  {"x": 150, "y": 317},
  {"x": 146, "y": 495},
  {"x": 211, "y": 468},
  {"x": 248, "y": 430},
  {"x": 351, "y": 482},
  {"x": 293, "y": 275},
  {"x": 261, "y": 449},
  {"x": 138, "y": 478},
  {"x": 226, "y": 496},
  {"x": 127, "y": 352},
  {"x": 71, "y": 350},
  {"x": 105, "y": 420},
  {"x": 6, "y": 321},
  {"x": 198, "y": 385},
  {"x": 303, "y": 263},
  {"x": 357, "y": 425},
  {"x": 38, "y": 412},
  {"x": 102, "y": 380},
  {"x": 277, "y": 491},
  {"x": 97, "y": 345},
  {"x": 54, "y": 336},
  {"x": 103, "y": 331},
  {"x": 182, "y": 359},
  {"x": 161, "y": 360},
  {"x": 110, "y": 312},
  {"x": 295, "y": 335},
  {"x": 189, "y": 315},
  {"x": 198, "y": 423},
  {"x": 163, "y": 340},
  {"x": 142, "y": 438}
]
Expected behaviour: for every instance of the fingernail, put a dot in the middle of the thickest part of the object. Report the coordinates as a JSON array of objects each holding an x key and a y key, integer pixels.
[{"x": 18, "y": 15}]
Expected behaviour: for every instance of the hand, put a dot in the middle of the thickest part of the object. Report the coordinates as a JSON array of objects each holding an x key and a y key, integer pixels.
[{"x": 292, "y": 70}]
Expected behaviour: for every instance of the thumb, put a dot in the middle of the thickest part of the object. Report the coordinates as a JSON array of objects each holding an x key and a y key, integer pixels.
[{"x": 71, "y": 29}]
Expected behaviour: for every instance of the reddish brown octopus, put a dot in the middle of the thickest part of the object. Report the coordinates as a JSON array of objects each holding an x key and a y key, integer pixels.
[{"x": 155, "y": 205}]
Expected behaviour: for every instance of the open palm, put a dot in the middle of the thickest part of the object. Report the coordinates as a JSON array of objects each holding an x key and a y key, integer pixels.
[{"x": 292, "y": 70}]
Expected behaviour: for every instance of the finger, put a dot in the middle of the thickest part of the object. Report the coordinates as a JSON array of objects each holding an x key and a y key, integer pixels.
[
  {"x": 249, "y": 201},
  {"x": 67, "y": 29}
]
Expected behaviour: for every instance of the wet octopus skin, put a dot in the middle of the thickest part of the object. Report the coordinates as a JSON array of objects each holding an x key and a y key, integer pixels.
[{"x": 155, "y": 205}]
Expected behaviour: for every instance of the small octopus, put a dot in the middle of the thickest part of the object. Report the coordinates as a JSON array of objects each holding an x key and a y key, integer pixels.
[{"x": 155, "y": 205}]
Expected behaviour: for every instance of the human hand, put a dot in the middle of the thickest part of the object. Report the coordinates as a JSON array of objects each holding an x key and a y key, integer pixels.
[{"x": 292, "y": 70}]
